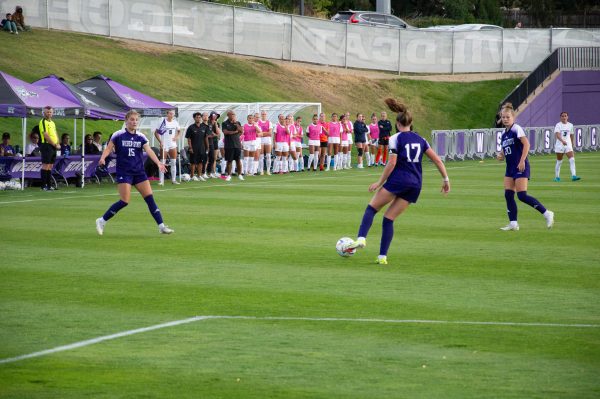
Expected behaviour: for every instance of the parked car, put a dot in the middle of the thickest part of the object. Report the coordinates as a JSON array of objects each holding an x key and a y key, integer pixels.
[
  {"x": 463, "y": 27},
  {"x": 371, "y": 18},
  {"x": 255, "y": 5}
]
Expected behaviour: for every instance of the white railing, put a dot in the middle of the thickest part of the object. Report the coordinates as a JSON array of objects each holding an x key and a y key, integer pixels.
[{"x": 223, "y": 28}]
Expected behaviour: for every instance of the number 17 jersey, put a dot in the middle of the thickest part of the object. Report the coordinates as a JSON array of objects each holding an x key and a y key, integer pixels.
[
  {"x": 129, "y": 149},
  {"x": 409, "y": 148}
]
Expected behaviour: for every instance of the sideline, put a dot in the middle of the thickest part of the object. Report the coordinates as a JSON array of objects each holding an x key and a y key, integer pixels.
[{"x": 122, "y": 334}]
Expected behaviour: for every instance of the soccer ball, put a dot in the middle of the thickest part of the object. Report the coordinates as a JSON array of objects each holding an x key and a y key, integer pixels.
[
  {"x": 342, "y": 247},
  {"x": 185, "y": 177}
]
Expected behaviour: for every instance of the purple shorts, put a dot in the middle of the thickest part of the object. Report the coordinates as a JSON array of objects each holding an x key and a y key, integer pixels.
[
  {"x": 131, "y": 179},
  {"x": 410, "y": 194},
  {"x": 515, "y": 174}
]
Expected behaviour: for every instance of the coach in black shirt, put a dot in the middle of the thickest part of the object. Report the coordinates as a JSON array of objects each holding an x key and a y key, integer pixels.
[
  {"x": 232, "y": 130},
  {"x": 197, "y": 137}
]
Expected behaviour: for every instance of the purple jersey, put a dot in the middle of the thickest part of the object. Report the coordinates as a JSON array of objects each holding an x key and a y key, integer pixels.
[
  {"x": 129, "y": 150},
  {"x": 409, "y": 147},
  {"x": 512, "y": 147}
]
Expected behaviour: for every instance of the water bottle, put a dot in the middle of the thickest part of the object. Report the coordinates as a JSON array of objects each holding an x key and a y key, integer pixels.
[{"x": 67, "y": 152}]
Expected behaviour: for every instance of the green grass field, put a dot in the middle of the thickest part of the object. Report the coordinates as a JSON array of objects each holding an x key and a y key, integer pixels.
[{"x": 265, "y": 248}]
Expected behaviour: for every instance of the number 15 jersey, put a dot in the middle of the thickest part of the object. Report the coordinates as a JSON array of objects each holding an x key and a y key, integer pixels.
[
  {"x": 409, "y": 148},
  {"x": 129, "y": 149}
]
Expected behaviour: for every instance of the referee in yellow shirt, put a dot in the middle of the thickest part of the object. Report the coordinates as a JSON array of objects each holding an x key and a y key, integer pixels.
[{"x": 48, "y": 146}]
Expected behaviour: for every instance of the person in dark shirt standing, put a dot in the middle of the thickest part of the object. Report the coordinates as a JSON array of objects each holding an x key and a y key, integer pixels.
[
  {"x": 360, "y": 138},
  {"x": 197, "y": 138},
  {"x": 232, "y": 129},
  {"x": 385, "y": 131},
  {"x": 210, "y": 170}
]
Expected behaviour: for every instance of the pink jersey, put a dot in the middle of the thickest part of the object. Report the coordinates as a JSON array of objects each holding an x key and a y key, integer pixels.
[
  {"x": 314, "y": 131},
  {"x": 292, "y": 133},
  {"x": 374, "y": 130},
  {"x": 299, "y": 133},
  {"x": 265, "y": 125},
  {"x": 249, "y": 132},
  {"x": 281, "y": 134},
  {"x": 335, "y": 129},
  {"x": 344, "y": 132}
]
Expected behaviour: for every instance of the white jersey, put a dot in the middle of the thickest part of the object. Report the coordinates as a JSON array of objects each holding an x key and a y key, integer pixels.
[
  {"x": 168, "y": 130},
  {"x": 565, "y": 130}
]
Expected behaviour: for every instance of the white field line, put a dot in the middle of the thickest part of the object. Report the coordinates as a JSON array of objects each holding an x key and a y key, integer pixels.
[{"x": 122, "y": 334}]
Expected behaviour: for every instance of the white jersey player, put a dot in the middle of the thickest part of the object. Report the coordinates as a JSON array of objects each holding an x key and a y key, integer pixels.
[
  {"x": 167, "y": 135},
  {"x": 564, "y": 133}
]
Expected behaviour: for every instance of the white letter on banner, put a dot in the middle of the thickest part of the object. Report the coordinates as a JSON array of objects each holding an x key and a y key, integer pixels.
[
  {"x": 96, "y": 13},
  {"x": 385, "y": 47},
  {"x": 355, "y": 44},
  {"x": 516, "y": 50},
  {"x": 424, "y": 47},
  {"x": 578, "y": 137},
  {"x": 320, "y": 42},
  {"x": 499, "y": 141},
  {"x": 479, "y": 139},
  {"x": 117, "y": 13},
  {"x": 546, "y": 139},
  {"x": 593, "y": 134}
]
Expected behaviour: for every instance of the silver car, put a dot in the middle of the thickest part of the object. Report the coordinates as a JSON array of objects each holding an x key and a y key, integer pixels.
[{"x": 371, "y": 18}]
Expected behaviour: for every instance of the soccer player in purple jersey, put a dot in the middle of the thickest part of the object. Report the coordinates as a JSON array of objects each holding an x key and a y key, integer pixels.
[
  {"x": 515, "y": 148},
  {"x": 401, "y": 180},
  {"x": 128, "y": 145}
]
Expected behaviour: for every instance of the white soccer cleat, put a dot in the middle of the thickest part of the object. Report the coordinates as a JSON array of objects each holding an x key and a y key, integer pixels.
[
  {"x": 549, "y": 219},
  {"x": 200, "y": 178},
  {"x": 241, "y": 177},
  {"x": 175, "y": 182},
  {"x": 360, "y": 242},
  {"x": 100, "y": 223},
  {"x": 205, "y": 177},
  {"x": 165, "y": 230},
  {"x": 228, "y": 178},
  {"x": 510, "y": 226}
]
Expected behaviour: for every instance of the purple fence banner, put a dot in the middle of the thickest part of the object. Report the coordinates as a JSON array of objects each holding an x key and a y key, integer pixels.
[
  {"x": 33, "y": 165},
  {"x": 5, "y": 166},
  {"x": 69, "y": 167}
]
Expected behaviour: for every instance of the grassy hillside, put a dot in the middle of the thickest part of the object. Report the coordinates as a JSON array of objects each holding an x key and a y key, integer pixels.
[{"x": 173, "y": 73}]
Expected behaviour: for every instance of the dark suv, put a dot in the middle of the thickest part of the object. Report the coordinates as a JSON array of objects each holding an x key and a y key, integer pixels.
[{"x": 371, "y": 18}]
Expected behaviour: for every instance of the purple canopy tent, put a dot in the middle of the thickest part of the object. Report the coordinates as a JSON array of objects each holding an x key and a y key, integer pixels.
[
  {"x": 19, "y": 99},
  {"x": 124, "y": 97},
  {"x": 94, "y": 107}
]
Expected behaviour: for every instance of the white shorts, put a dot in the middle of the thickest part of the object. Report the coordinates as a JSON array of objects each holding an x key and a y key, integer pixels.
[
  {"x": 314, "y": 143},
  {"x": 350, "y": 140},
  {"x": 344, "y": 143},
  {"x": 334, "y": 140},
  {"x": 282, "y": 147},
  {"x": 258, "y": 143},
  {"x": 266, "y": 140},
  {"x": 297, "y": 145},
  {"x": 221, "y": 144},
  {"x": 560, "y": 148},
  {"x": 374, "y": 142},
  {"x": 250, "y": 146}
]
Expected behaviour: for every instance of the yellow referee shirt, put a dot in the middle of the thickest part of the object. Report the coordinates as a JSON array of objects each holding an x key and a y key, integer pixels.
[{"x": 50, "y": 128}]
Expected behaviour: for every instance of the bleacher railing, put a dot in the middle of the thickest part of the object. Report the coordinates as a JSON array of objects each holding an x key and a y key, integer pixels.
[
  {"x": 573, "y": 58},
  {"x": 223, "y": 28},
  {"x": 461, "y": 144}
]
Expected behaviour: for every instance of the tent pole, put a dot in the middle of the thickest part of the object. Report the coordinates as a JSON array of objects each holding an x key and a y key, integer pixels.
[
  {"x": 74, "y": 132},
  {"x": 83, "y": 153},
  {"x": 24, "y": 128}
]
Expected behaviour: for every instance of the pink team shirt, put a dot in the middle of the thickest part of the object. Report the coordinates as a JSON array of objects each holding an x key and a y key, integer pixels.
[
  {"x": 299, "y": 133},
  {"x": 374, "y": 130},
  {"x": 281, "y": 134},
  {"x": 249, "y": 132},
  {"x": 264, "y": 125},
  {"x": 314, "y": 131},
  {"x": 335, "y": 129}
]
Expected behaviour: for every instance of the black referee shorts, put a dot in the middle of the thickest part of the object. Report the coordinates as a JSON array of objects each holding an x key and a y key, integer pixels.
[{"x": 48, "y": 153}]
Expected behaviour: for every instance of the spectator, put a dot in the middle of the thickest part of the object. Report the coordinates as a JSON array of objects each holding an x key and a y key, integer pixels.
[
  {"x": 519, "y": 25},
  {"x": 65, "y": 144},
  {"x": 33, "y": 147},
  {"x": 48, "y": 148},
  {"x": 213, "y": 141},
  {"x": 89, "y": 147},
  {"x": 6, "y": 150},
  {"x": 98, "y": 141},
  {"x": 19, "y": 19},
  {"x": 9, "y": 25}
]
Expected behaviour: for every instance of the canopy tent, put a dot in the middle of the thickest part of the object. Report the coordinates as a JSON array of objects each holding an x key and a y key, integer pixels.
[
  {"x": 94, "y": 107},
  {"x": 19, "y": 99},
  {"x": 124, "y": 97},
  {"x": 187, "y": 109}
]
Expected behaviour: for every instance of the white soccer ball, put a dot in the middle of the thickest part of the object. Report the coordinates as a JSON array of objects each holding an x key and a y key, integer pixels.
[
  {"x": 342, "y": 247},
  {"x": 2, "y": 186},
  {"x": 186, "y": 177}
]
